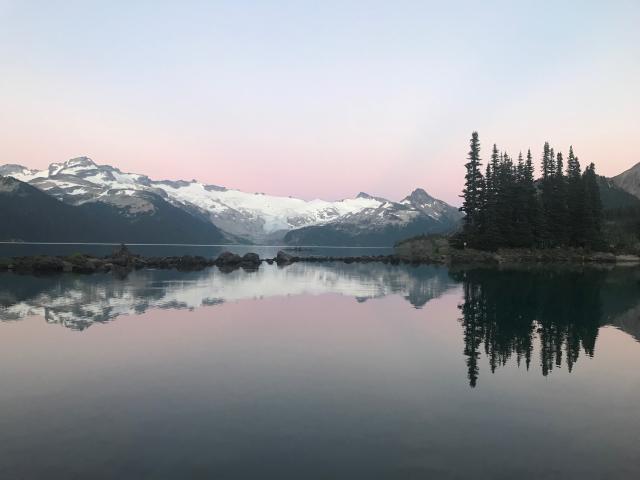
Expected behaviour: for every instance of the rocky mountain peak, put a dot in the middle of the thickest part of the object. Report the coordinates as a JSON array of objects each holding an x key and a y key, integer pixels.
[
  {"x": 12, "y": 169},
  {"x": 80, "y": 162},
  {"x": 418, "y": 196},
  {"x": 72, "y": 165},
  {"x": 8, "y": 184}
]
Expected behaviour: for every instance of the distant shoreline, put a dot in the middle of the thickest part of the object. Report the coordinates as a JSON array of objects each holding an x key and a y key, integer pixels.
[
  {"x": 435, "y": 249},
  {"x": 115, "y": 244},
  {"x": 415, "y": 252}
]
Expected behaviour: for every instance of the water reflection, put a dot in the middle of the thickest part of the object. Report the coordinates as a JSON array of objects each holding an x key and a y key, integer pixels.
[
  {"x": 544, "y": 316},
  {"x": 77, "y": 301},
  {"x": 506, "y": 313}
]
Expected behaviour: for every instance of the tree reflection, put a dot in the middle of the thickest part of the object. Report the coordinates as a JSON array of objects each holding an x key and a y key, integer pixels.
[{"x": 506, "y": 313}]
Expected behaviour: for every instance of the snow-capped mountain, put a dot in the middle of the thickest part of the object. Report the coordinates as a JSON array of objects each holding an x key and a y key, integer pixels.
[
  {"x": 255, "y": 217},
  {"x": 29, "y": 214}
]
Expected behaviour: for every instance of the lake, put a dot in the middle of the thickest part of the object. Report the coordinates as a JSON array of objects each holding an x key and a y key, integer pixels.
[{"x": 322, "y": 371}]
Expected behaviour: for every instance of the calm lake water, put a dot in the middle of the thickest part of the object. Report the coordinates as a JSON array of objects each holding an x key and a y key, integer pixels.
[{"x": 321, "y": 371}]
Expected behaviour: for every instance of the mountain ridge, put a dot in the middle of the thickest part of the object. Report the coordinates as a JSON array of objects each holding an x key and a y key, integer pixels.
[
  {"x": 254, "y": 218},
  {"x": 629, "y": 180},
  {"x": 29, "y": 214}
]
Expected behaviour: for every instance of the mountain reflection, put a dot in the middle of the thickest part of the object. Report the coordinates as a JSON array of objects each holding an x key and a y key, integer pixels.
[
  {"x": 506, "y": 314},
  {"x": 78, "y": 302},
  {"x": 545, "y": 316}
]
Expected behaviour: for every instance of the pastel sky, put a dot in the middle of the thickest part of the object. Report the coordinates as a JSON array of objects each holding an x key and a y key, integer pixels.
[{"x": 317, "y": 98}]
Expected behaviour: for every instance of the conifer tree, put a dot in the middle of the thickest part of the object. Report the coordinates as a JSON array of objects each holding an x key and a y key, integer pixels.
[
  {"x": 495, "y": 158},
  {"x": 546, "y": 164},
  {"x": 559, "y": 214},
  {"x": 546, "y": 196},
  {"x": 531, "y": 194},
  {"x": 559, "y": 165},
  {"x": 592, "y": 218},
  {"x": 523, "y": 232},
  {"x": 490, "y": 235},
  {"x": 472, "y": 193},
  {"x": 575, "y": 200},
  {"x": 505, "y": 200}
]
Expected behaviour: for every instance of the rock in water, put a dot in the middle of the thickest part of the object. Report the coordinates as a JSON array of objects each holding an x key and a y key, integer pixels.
[
  {"x": 283, "y": 258},
  {"x": 228, "y": 259},
  {"x": 122, "y": 257},
  {"x": 251, "y": 260}
]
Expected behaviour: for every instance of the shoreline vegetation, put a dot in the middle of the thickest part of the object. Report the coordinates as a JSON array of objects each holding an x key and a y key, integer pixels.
[
  {"x": 438, "y": 249},
  {"x": 422, "y": 250},
  {"x": 506, "y": 207}
]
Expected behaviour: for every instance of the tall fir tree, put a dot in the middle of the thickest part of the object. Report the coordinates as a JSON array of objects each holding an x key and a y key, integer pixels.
[
  {"x": 575, "y": 200},
  {"x": 532, "y": 203},
  {"x": 490, "y": 234},
  {"x": 546, "y": 196},
  {"x": 472, "y": 192},
  {"x": 522, "y": 228},
  {"x": 592, "y": 219},
  {"x": 505, "y": 196},
  {"x": 559, "y": 214},
  {"x": 547, "y": 171}
]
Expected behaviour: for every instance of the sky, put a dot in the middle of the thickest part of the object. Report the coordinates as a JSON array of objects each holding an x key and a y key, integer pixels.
[{"x": 317, "y": 99}]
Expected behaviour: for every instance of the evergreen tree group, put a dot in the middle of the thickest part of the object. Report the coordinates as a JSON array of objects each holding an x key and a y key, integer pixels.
[{"x": 507, "y": 207}]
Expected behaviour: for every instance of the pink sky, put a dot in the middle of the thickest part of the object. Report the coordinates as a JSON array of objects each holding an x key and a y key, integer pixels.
[{"x": 311, "y": 103}]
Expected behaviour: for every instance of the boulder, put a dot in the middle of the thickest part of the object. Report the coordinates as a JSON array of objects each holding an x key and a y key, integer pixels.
[
  {"x": 228, "y": 259},
  {"x": 283, "y": 258},
  {"x": 251, "y": 260}
]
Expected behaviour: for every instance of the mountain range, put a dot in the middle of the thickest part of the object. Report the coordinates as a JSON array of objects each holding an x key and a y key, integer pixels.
[{"x": 81, "y": 201}]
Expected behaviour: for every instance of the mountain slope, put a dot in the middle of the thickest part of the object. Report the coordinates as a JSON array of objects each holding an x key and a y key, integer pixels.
[
  {"x": 28, "y": 214},
  {"x": 615, "y": 197},
  {"x": 255, "y": 217},
  {"x": 416, "y": 214},
  {"x": 629, "y": 180}
]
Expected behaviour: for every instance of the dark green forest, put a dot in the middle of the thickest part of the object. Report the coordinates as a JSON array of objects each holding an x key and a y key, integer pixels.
[{"x": 506, "y": 207}]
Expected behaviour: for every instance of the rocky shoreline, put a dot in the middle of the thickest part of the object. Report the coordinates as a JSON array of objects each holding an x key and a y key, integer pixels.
[
  {"x": 437, "y": 249},
  {"x": 122, "y": 260}
]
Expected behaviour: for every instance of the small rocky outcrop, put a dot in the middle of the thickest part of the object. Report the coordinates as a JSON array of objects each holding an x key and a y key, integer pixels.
[
  {"x": 37, "y": 264},
  {"x": 250, "y": 261},
  {"x": 122, "y": 257},
  {"x": 283, "y": 258},
  {"x": 228, "y": 259}
]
